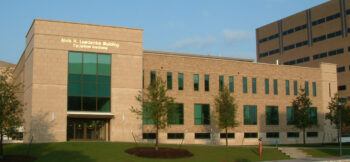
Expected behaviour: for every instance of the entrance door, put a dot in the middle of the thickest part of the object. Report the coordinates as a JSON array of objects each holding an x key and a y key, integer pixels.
[{"x": 87, "y": 129}]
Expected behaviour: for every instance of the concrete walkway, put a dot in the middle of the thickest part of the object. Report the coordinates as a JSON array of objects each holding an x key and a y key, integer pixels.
[{"x": 294, "y": 152}]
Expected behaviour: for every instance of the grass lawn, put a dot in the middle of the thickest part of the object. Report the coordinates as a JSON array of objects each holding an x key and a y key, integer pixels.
[
  {"x": 112, "y": 151},
  {"x": 324, "y": 152}
]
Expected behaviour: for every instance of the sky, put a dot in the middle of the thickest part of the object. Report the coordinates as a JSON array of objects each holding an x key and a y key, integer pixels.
[{"x": 206, "y": 27}]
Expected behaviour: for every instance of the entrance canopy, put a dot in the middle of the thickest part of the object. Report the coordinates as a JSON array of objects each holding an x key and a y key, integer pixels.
[{"x": 84, "y": 114}]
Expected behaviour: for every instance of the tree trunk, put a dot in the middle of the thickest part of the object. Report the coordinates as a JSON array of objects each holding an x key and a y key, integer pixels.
[
  {"x": 226, "y": 135},
  {"x": 157, "y": 129},
  {"x": 304, "y": 136},
  {"x": 1, "y": 147}
]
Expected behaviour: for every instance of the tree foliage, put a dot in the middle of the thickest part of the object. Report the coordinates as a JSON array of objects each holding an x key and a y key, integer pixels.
[
  {"x": 226, "y": 108},
  {"x": 10, "y": 108},
  {"x": 302, "y": 105},
  {"x": 155, "y": 105}
]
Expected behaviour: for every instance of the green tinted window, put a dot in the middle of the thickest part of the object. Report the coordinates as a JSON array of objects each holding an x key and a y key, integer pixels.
[
  {"x": 201, "y": 114},
  {"x": 254, "y": 85},
  {"x": 306, "y": 88},
  {"x": 287, "y": 88},
  {"x": 275, "y": 87},
  {"x": 250, "y": 114},
  {"x": 314, "y": 90},
  {"x": 147, "y": 116},
  {"x": 271, "y": 115},
  {"x": 245, "y": 85},
  {"x": 180, "y": 81},
  {"x": 196, "y": 82},
  {"x": 231, "y": 84},
  {"x": 221, "y": 82},
  {"x": 153, "y": 77},
  {"x": 312, "y": 111},
  {"x": 206, "y": 82},
  {"x": 176, "y": 115},
  {"x": 169, "y": 80},
  {"x": 75, "y": 63},
  {"x": 295, "y": 84},
  {"x": 290, "y": 115},
  {"x": 89, "y": 64},
  {"x": 267, "y": 86},
  {"x": 104, "y": 65}
]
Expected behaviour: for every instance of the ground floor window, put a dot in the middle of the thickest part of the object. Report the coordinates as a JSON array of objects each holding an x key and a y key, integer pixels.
[
  {"x": 251, "y": 135},
  {"x": 148, "y": 135},
  {"x": 202, "y": 135},
  {"x": 311, "y": 134},
  {"x": 176, "y": 136},
  {"x": 87, "y": 129},
  {"x": 272, "y": 134},
  {"x": 229, "y": 135},
  {"x": 293, "y": 134}
]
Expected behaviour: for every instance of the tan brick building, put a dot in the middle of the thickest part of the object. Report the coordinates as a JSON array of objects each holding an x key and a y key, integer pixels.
[
  {"x": 80, "y": 81},
  {"x": 318, "y": 34}
]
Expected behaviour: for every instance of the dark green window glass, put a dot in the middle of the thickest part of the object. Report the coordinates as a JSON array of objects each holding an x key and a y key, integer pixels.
[
  {"x": 287, "y": 88},
  {"x": 275, "y": 87},
  {"x": 295, "y": 84},
  {"x": 267, "y": 86},
  {"x": 272, "y": 115},
  {"x": 314, "y": 90},
  {"x": 201, "y": 114},
  {"x": 312, "y": 111},
  {"x": 306, "y": 88},
  {"x": 146, "y": 116},
  {"x": 245, "y": 85},
  {"x": 153, "y": 76},
  {"x": 169, "y": 80},
  {"x": 254, "y": 85},
  {"x": 206, "y": 82},
  {"x": 290, "y": 115},
  {"x": 196, "y": 82},
  {"x": 231, "y": 83},
  {"x": 89, "y": 82},
  {"x": 221, "y": 82},
  {"x": 180, "y": 81},
  {"x": 176, "y": 116},
  {"x": 250, "y": 114}
]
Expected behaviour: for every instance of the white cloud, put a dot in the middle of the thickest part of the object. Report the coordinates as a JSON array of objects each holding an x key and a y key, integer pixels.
[
  {"x": 233, "y": 36},
  {"x": 195, "y": 42}
]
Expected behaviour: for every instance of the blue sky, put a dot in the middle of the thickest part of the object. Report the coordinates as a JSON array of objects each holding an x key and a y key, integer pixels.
[{"x": 222, "y": 28}]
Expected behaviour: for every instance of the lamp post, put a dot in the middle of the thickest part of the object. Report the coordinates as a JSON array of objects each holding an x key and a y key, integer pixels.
[{"x": 340, "y": 126}]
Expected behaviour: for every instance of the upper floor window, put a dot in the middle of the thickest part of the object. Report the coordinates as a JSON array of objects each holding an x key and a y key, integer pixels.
[
  {"x": 287, "y": 88},
  {"x": 201, "y": 114},
  {"x": 245, "y": 85},
  {"x": 221, "y": 82},
  {"x": 254, "y": 85},
  {"x": 231, "y": 84},
  {"x": 180, "y": 81},
  {"x": 267, "y": 86},
  {"x": 169, "y": 80},
  {"x": 250, "y": 114},
  {"x": 275, "y": 87},
  {"x": 196, "y": 82},
  {"x": 271, "y": 115},
  {"x": 206, "y": 82}
]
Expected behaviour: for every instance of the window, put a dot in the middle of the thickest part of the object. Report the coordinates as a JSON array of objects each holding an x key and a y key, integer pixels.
[
  {"x": 314, "y": 89},
  {"x": 202, "y": 135},
  {"x": 312, "y": 113},
  {"x": 89, "y": 82},
  {"x": 307, "y": 88},
  {"x": 295, "y": 84},
  {"x": 206, "y": 82},
  {"x": 311, "y": 134},
  {"x": 342, "y": 88},
  {"x": 221, "y": 82},
  {"x": 341, "y": 69},
  {"x": 196, "y": 82},
  {"x": 148, "y": 135},
  {"x": 267, "y": 86},
  {"x": 180, "y": 81},
  {"x": 271, "y": 115},
  {"x": 292, "y": 134},
  {"x": 229, "y": 135},
  {"x": 153, "y": 77},
  {"x": 231, "y": 84},
  {"x": 176, "y": 116},
  {"x": 275, "y": 87},
  {"x": 254, "y": 85},
  {"x": 245, "y": 85},
  {"x": 146, "y": 115},
  {"x": 272, "y": 134},
  {"x": 250, "y": 114},
  {"x": 169, "y": 80},
  {"x": 251, "y": 135},
  {"x": 201, "y": 114},
  {"x": 290, "y": 115},
  {"x": 176, "y": 135},
  {"x": 287, "y": 88}
]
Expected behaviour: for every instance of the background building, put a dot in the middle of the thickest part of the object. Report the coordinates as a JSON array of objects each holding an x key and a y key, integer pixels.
[
  {"x": 318, "y": 34},
  {"x": 80, "y": 81}
]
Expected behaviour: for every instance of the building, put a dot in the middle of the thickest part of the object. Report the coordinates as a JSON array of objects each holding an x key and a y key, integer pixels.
[
  {"x": 80, "y": 81},
  {"x": 318, "y": 34}
]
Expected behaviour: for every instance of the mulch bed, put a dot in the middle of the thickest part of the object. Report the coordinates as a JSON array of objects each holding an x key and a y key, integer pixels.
[
  {"x": 18, "y": 158},
  {"x": 162, "y": 152}
]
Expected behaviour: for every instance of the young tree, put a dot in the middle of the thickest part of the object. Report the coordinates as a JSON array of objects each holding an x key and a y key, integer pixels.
[
  {"x": 302, "y": 107},
  {"x": 226, "y": 108},
  {"x": 338, "y": 108},
  {"x": 155, "y": 105},
  {"x": 10, "y": 107}
]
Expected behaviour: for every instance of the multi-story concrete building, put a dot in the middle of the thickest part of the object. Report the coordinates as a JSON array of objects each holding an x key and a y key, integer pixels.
[
  {"x": 80, "y": 81},
  {"x": 318, "y": 34}
]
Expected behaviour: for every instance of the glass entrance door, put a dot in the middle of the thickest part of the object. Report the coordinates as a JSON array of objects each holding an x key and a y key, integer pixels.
[{"x": 87, "y": 129}]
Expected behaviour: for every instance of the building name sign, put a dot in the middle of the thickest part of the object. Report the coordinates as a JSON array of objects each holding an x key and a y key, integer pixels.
[{"x": 89, "y": 44}]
